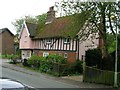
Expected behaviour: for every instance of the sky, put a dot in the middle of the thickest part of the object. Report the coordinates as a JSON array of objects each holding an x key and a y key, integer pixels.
[{"x": 10, "y": 10}]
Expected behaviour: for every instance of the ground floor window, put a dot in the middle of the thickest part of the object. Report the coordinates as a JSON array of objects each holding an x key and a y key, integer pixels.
[
  {"x": 82, "y": 57},
  {"x": 26, "y": 54},
  {"x": 45, "y": 54},
  {"x": 65, "y": 55}
]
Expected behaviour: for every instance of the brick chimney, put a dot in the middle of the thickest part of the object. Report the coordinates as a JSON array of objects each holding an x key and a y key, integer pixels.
[{"x": 50, "y": 15}]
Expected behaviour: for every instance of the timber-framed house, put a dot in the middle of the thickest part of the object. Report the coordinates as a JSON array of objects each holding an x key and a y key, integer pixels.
[{"x": 55, "y": 36}]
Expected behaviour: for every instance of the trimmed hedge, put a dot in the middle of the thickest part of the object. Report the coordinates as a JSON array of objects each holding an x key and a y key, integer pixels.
[{"x": 93, "y": 57}]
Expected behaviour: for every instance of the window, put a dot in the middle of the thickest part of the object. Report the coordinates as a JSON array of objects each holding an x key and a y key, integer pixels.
[
  {"x": 60, "y": 54},
  {"x": 28, "y": 54},
  {"x": 45, "y": 54},
  {"x": 66, "y": 40},
  {"x": 65, "y": 55},
  {"x": 48, "y": 41},
  {"x": 25, "y": 36},
  {"x": 82, "y": 57}
]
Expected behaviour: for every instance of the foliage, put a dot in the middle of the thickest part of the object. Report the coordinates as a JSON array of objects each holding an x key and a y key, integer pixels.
[
  {"x": 100, "y": 16},
  {"x": 56, "y": 59},
  {"x": 12, "y": 56},
  {"x": 34, "y": 61},
  {"x": 19, "y": 22},
  {"x": 108, "y": 63},
  {"x": 41, "y": 18},
  {"x": 74, "y": 68},
  {"x": 110, "y": 42},
  {"x": 93, "y": 57},
  {"x": 55, "y": 65},
  {"x": 31, "y": 19},
  {"x": 47, "y": 65}
]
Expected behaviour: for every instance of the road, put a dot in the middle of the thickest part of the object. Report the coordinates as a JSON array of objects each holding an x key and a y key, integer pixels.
[
  {"x": 40, "y": 80},
  {"x": 34, "y": 81}
]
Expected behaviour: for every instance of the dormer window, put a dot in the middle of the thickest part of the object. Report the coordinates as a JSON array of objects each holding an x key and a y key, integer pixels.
[
  {"x": 67, "y": 40},
  {"x": 48, "y": 41}
]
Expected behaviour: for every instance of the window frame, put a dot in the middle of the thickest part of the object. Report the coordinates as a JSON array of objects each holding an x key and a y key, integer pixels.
[
  {"x": 66, "y": 40},
  {"x": 45, "y": 54}
]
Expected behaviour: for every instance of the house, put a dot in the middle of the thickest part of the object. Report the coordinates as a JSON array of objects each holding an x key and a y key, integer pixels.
[
  {"x": 6, "y": 41},
  {"x": 56, "y": 36}
]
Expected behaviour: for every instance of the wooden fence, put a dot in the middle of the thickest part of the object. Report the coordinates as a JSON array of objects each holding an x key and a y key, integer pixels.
[{"x": 94, "y": 75}]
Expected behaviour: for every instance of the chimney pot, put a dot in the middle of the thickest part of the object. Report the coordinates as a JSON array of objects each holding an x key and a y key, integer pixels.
[
  {"x": 51, "y": 8},
  {"x": 50, "y": 15}
]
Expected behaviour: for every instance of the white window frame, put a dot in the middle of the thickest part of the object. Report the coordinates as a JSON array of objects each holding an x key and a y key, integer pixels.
[
  {"x": 48, "y": 41},
  {"x": 45, "y": 54},
  {"x": 67, "y": 40},
  {"x": 65, "y": 55}
]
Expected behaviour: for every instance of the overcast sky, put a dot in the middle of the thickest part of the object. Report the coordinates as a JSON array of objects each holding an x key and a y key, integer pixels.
[{"x": 15, "y": 9}]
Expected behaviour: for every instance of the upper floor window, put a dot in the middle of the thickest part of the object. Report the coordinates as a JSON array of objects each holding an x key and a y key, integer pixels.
[
  {"x": 48, "y": 41},
  {"x": 67, "y": 40}
]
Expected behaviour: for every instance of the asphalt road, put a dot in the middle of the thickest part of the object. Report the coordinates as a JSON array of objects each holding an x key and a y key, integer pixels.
[{"x": 34, "y": 81}]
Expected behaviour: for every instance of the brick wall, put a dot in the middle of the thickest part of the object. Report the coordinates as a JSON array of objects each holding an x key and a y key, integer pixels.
[
  {"x": 70, "y": 56},
  {"x": 7, "y": 43}
]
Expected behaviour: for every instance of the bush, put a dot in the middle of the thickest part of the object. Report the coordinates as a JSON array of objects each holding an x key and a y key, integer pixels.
[
  {"x": 93, "y": 57},
  {"x": 54, "y": 64},
  {"x": 12, "y": 57},
  {"x": 25, "y": 62},
  {"x": 108, "y": 63},
  {"x": 56, "y": 59},
  {"x": 35, "y": 60},
  {"x": 74, "y": 68},
  {"x": 47, "y": 64}
]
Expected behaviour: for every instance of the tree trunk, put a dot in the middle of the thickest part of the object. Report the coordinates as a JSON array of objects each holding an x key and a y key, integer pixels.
[{"x": 104, "y": 35}]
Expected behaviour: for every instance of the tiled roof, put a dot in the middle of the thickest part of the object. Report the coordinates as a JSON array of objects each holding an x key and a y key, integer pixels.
[
  {"x": 5, "y": 29},
  {"x": 31, "y": 28},
  {"x": 67, "y": 26}
]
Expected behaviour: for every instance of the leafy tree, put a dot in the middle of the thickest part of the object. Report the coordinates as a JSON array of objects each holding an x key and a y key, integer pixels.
[
  {"x": 41, "y": 18},
  {"x": 18, "y": 22},
  {"x": 100, "y": 16},
  {"x": 37, "y": 19},
  {"x": 110, "y": 42}
]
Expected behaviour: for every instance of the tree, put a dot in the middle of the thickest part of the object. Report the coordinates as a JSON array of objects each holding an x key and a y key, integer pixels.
[
  {"x": 41, "y": 18},
  {"x": 110, "y": 42},
  {"x": 99, "y": 16},
  {"x": 37, "y": 19}
]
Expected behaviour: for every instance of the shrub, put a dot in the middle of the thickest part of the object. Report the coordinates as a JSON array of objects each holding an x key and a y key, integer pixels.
[
  {"x": 93, "y": 57},
  {"x": 25, "y": 62},
  {"x": 74, "y": 68},
  {"x": 48, "y": 64},
  {"x": 34, "y": 61},
  {"x": 108, "y": 63},
  {"x": 56, "y": 59},
  {"x": 12, "y": 57}
]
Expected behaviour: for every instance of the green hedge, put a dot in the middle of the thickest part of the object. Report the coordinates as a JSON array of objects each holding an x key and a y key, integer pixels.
[
  {"x": 12, "y": 56},
  {"x": 34, "y": 61},
  {"x": 54, "y": 64},
  {"x": 93, "y": 57}
]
